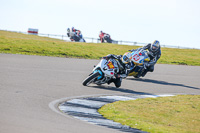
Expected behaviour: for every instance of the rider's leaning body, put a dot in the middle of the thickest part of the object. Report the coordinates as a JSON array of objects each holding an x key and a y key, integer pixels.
[
  {"x": 121, "y": 66},
  {"x": 74, "y": 34},
  {"x": 154, "y": 54},
  {"x": 101, "y": 36}
]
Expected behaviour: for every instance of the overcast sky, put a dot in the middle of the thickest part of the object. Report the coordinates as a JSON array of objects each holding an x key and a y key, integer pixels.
[{"x": 172, "y": 22}]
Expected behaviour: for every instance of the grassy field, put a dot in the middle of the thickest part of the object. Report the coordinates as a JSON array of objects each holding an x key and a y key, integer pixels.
[
  {"x": 177, "y": 114},
  {"x": 18, "y": 43}
]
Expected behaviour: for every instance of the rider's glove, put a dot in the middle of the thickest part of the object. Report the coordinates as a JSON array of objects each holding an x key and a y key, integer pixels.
[
  {"x": 151, "y": 54},
  {"x": 105, "y": 57}
]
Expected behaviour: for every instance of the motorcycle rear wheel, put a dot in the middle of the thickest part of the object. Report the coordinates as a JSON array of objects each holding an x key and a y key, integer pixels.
[{"x": 90, "y": 79}]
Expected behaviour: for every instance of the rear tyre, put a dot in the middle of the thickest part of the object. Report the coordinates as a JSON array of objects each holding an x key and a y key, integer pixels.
[{"x": 90, "y": 79}]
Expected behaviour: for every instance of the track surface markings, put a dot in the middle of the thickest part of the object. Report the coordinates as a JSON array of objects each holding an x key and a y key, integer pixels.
[{"x": 86, "y": 109}]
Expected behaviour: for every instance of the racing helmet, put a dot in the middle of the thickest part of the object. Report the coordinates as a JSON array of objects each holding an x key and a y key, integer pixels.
[
  {"x": 155, "y": 45},
  {"x": 68, "y": 30},
  {"x": 73, "y": 29},
  {"x": 126, "y": 58}
]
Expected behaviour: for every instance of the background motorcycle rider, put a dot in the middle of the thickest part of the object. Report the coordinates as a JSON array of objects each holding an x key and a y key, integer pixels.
[
  {"x": 101, "y": 36},
  {"x": 79, "y": 34},
  {"x": 74, "y": 34},
  {"x": 154, "y": 54},
  {"x": 74, "y": 30},
  {"x": 104, "y": 36},
  {"x": 70, "y": 34},
  {"x": 122, "y": 67}
]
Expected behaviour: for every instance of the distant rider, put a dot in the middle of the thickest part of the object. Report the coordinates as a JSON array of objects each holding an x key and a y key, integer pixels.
[
  {"x": 74, "y": 30},
  {"x": 74, "y": 34},
  {"x": 68, "y": 32},
  {"x": 122, "y": 67},
  {"x": 104, "y": 36},
  {"x": 71, "y": 34},
  {"x": 101, "y": 36},
  {"x": 79, "y": 33},
  {"x": 154, "y": 54}
]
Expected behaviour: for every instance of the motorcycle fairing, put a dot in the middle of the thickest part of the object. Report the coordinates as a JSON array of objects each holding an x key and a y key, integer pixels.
[{"x": 135, "y": 71}]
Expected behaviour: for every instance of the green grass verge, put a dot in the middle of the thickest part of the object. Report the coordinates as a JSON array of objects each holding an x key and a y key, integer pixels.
[
  {"x": 177, "y": 114},
  {"x": 18, "y": 43}
]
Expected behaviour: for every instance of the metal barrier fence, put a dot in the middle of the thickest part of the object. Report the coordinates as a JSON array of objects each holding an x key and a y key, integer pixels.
[
  {"x": 96, "y": 40},
  {"x": 120, "y": 42}
]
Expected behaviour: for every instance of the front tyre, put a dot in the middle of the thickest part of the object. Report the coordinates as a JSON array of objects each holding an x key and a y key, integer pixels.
[
  {"x": 118, "y": 82},
  {"x": 90, "y": 79}
]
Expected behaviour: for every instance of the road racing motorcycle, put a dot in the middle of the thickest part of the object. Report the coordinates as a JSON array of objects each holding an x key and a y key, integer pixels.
[
  {"x": 105, "y": 38},
  {"x": 138, "y": 60},
  {"x": 102, "y": 73},
  {"x": 76, "y": 36}
]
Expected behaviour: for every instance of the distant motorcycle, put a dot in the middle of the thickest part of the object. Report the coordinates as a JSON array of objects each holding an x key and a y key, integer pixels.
[
  {"x": 75, "y": 36},
  {"x": 102, "y": 73},
  {"x": 105, "y": 38},
  {"x": 139, "y": 59}
]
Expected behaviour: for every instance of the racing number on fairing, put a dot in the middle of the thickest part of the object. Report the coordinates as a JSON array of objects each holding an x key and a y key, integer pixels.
[
  {"x": 136, "y": 57},
  {"x": 110, "y": 65}
]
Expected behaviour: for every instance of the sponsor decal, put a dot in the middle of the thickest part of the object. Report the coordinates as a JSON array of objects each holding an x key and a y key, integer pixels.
[
  {"x": 110, "y": 65},
  {"x": 136, "y": 57}
]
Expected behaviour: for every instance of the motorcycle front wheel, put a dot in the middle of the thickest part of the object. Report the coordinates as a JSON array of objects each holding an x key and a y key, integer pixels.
[{"x": 90, "y": 79}]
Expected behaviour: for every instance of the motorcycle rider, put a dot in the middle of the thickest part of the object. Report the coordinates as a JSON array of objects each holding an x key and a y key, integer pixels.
[
  {"x": 104, "y": 36},
  {"x": 74, "y": 30},
  {"x": 68, "y": 32},
  {"x": 74, "y": 34},
  {"x": 71, "y": 34},
  {"x": 154, "y": 54},
  {"x": 79, "y": 33},
  {"x": 101, "y": 36},
  {"x": 122, "y": 67}
]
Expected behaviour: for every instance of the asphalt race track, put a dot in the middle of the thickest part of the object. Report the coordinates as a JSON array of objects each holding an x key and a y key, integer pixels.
[{"x": 29, "y": 83}]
